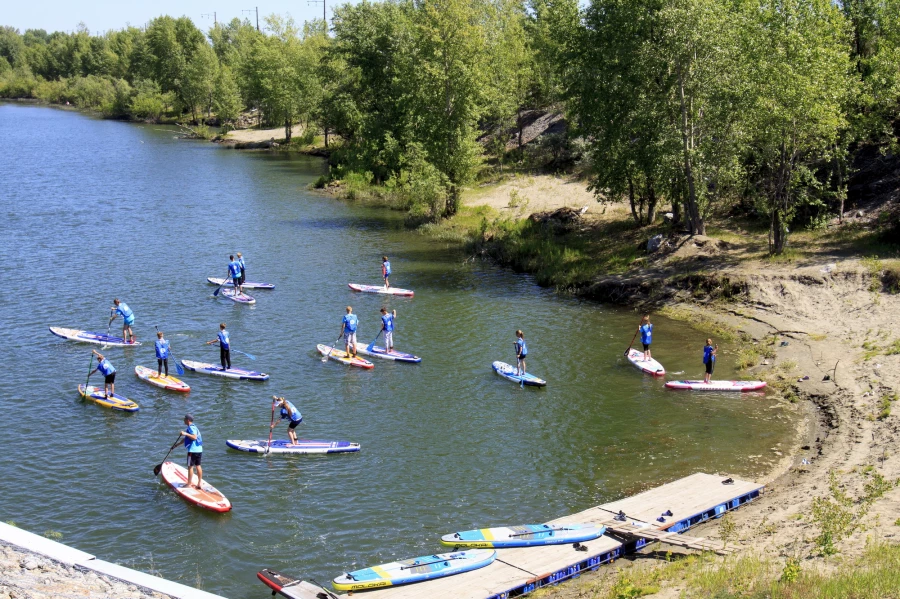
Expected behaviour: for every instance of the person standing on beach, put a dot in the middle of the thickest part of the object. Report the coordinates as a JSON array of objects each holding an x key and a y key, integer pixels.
[
  {"x": 234, "y": 271},
  {"x": 240, "y": 259},
  {"x": 289, "y": 413},
  {"x": 224, "y": 347},
  {"x": 709, "y": 358},
  {"x": 387, "y": 325},
  {"x": 121, "y": 308},
  {"x": 521, "y": 352},
  {"x": 162, "y": 355},
  {"x": 193, "y": 442},
  {"x": 349, "y": 325},
  {"x": 109, "y": 373},
  {"x": 386, "y": 271},
  {"x": 646, "y": 330}
]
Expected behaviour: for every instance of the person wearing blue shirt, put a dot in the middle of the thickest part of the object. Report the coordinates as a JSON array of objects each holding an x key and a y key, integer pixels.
[
  {"x": 349, "y": 325},
  {"x": 385, "y": 271},
  {"x": 193, "y": 442},
  {"x": 646, "y": 331},
  {"x": 521, "y": 352},
  {"x": 108, "y": 371},
  {"x": 709, "y": 358},
  {"x": 387, "y": 325},
  {"x": 289, "y": 413},
  {"x": 224, "y": 347},
  {"x": 122, "y": 309},
  {"x": 234, "y": 272},
  {"x": 162, "y": 355},
  {"x": 240, "y": 260}
]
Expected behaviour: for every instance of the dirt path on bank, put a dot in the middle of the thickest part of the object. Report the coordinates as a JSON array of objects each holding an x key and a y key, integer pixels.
[
  {"x": 257, "y": 135},
  {"x": 832, "y": 323}
]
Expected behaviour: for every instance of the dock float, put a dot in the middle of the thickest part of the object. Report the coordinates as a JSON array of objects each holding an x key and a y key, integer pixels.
[{"x": 691, "y": 500}]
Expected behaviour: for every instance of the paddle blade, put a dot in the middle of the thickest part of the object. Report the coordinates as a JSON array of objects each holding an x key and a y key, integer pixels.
[
  {"x": 216, "y": 292},
  {"x": 157, "y": 469},
  {"x": 178, "y": 368}
]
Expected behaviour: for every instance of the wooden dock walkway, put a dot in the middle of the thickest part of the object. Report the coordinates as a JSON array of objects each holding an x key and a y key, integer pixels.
[{"x": 692, "y": 500}]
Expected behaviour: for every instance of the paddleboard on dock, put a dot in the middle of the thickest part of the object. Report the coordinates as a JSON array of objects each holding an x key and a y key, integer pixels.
[
  {"x": 285, "y": 446},
  {"x": 525, "y": 535},
  {"x": 417, "y": 569},
  {"x": 380, "y": 352},
  {"x": 232, "y": 373},
  {"x": 247, "y": 285},
  {"x": 292, "y": 588},
  {"x": 98, "y": 396},
  {"x": 509, "y": 372},
  {"x": 90, "y": 337},
  {"x": 651, "y": 366},
  {"x": 207, "y": 497},
  {"x": 380, "y": 289},
  {"x": 341, "y": 356},
  {"x": 165, "y": 382},
  {"x": 717, "y": 385}
]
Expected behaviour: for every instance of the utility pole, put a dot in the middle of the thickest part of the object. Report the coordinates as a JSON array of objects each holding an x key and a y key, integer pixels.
[
  {"x": 206, "y": 15},
  {"x": 324, "y": 19},
  {"x": 256, "y": 9}
]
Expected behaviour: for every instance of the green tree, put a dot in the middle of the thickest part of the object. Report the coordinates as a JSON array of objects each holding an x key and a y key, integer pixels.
[
  {"x": 200, "y": 80},
  {"x": 227, "y": 97}
]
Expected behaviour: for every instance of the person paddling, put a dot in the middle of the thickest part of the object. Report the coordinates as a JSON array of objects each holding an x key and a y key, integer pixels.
[
  {"x": 108, "y": 371},
  {"x": 709, "y": 358},
  {"x": 121, "y": 308},
  {"x": 521, "y": 352},
  {"x": 234, "y": 272},
  {"x": 387, "y": 325},
  {"x": 240, "y": 259},
  {"x": 646, "y": 331},
  {"x": 162, "y": 355},
  {"x": 289, "y": 413},
  {"x": 349, "y": 325},
  {"x": 386, "y": 271},
  {"x": 224, "y": 347},
  {"x": 193, "y": 442}
]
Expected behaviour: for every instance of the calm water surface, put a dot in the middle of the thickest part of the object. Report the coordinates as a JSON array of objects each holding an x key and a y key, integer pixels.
[{"x": 93, "y": 210}]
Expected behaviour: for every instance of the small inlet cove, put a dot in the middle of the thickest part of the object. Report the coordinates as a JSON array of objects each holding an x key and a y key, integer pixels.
[{"x": 95, "y": 210}]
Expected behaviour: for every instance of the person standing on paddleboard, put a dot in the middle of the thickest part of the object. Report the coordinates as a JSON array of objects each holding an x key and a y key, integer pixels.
[
  {"x": 289, "y": 413},
  {"x": 386, "y": 271},
  {"x": 240, "y": 260},
  {"x": 387, "y": 325},
  {"x": 162, "y": 355},
  {"x": 521, "y": 352},
  {"x": 108, "y": 371},
  {"x": 709, "y": 358},
  {"x": 224, "y": 347},
  {"x": 646, "y": 331},
  {"x": 193, "y": 442},
  {"x": 127, "y": 316},
  {"x": 349, "y": 325},
  {"x": 234, "y": 272}
]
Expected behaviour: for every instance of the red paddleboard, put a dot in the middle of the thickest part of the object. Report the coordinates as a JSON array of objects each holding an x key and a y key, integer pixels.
[{"x": 208, "y": 497}]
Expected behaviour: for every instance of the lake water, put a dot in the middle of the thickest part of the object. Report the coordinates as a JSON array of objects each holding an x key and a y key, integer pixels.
[{"x": 94, "y": 209}]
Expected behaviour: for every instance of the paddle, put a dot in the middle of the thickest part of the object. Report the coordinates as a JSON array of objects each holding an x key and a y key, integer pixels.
[
  {"x": 371, "y": 345},
  {"x": 178, "y": 367},
  {"x": 108, "y": 327},
  {"x": 331, "y": 349},
  {"x": 227, "y": 279},
  {"x": 159, "y": 466},
  {"x": 632, "y": 343},
  {"x": 269, "y": 442},
  {"x": 91, "y": 363},
  {"x": 251, "y": 356}
]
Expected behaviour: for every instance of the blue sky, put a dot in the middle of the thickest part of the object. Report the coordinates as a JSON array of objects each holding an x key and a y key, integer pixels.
[{"x": 100, "y": 15}]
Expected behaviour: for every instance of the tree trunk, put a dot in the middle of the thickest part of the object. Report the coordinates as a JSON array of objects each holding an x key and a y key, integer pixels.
[
  {"x": 697, "y": 226},
  {"x": 519, "y": 125},
  {"x": 651, "y": 202},
  {"x": 288, "y": 130},
  {"x": 452, "y": 205},
  {"x": 325, "y": 129},
  {"x": 631, "y": 201}
]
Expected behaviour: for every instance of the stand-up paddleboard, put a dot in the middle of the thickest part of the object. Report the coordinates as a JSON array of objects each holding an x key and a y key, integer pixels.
[
  {"x": 248, "y": 284},
  {"x": 717, "y": 385},
  {"x": 650, "y": 366},
  {"x": 164, "y": 381},
  {"x": 115, "y": 402},
  {"x": 414, "y": 570},
  {"x": 380, "y": 352},
  {"x": 89, "y": 337},
  {"x": 526, "y": 535},
  {"x": 239, "y": 298},
  {"x": 380, "y": 289},
  {"x": 231, "y": 373},
  {"x": 207, "y": 496},
  {"x": 292, "y": 588},
  {"x": 509, "y": 372},
  {"x": 341, "y": 356},
  {"x": 285, "y": 446}
]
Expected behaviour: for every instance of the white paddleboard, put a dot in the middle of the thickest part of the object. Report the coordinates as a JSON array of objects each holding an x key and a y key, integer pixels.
[
  {"x": 651, "y": 366},
  {"x": 717, "y": 385}
]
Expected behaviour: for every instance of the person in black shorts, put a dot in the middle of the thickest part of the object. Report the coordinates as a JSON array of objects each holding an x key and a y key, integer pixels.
[
  {"x": 109, "y": 373},
  {"x": 290, "y": 413},
  {"x": 709, "y": 358}
]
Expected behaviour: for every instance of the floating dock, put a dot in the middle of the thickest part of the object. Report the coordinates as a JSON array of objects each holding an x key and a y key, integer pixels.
[{"x": 692, "y": 500}]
